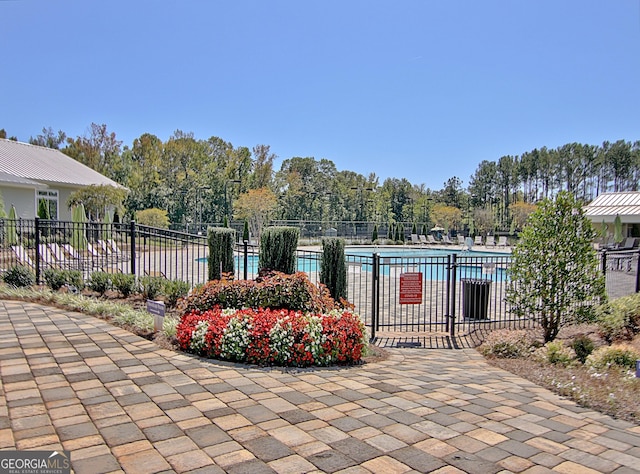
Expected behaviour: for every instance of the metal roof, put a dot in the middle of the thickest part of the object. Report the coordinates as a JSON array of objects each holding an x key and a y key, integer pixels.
[
  {"x": 612, "y": 204},
  {"x": 46, "y": 165},
  {"x": 17, "y": 181}
]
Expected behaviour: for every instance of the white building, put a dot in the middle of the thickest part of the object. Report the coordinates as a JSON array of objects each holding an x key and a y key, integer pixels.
[
  {"x": 607, "y": 206},
  {"x": 30, "y": 173}
]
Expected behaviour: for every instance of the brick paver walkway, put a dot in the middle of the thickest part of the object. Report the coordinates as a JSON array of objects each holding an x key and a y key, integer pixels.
[{"x": 119, "y": 403}]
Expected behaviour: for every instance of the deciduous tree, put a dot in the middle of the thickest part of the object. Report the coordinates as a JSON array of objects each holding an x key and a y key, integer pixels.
[{"x": 554, "y": 274}]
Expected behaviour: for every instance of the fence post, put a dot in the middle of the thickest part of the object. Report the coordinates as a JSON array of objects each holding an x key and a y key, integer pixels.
[
  {"x": 453, "y": 275},
  {"x": 37, "y": 244},
  {"x": 132, "y": 239},
  {"x": 447, "y": 325},
  {"x": 604, "y": 263},
  {"x": 375, "y": 293},
  {"x": 246, "y": 259},
  {"x": 638, "y": 272}
]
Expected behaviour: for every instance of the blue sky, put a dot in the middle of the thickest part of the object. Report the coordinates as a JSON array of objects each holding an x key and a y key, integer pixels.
[{"x": 414, "y": 89}]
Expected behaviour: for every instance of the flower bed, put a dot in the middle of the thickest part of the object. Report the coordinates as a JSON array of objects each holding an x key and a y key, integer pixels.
[{"x": 274, "y": 337}]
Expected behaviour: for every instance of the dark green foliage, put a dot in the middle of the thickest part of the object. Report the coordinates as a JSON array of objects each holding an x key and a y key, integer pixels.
[
  {"x": 414, "y": 229},
  {"x": 278, "y": 249},
  {"x": 100, "y": 282},
  {"x": 274, "y": 290},
  {"x": 74, "y": 279},
  {"x": 424, "y": 229},
  {"x": 151, "y": 287},
  {"x": 390, "y": 232},
  {"x": 333, "y": 268},
  {"x": 174, "y": 290},
  {"x": 245, "y": 231},
  {"x": 55, "y": 278},
  {"x": 19, "y": 276},
  {"x": 582, "y": 346},
  {"x": 221, "y": 242},
  {"x": 225, "y": 222},
  {"x": 374, "y": 236},
  {"x": 124, "y": 283},
  {"x": 397, "y": 236}
]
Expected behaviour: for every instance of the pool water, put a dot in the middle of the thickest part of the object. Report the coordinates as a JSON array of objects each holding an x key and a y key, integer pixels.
[{"x": 392, "y": 264}]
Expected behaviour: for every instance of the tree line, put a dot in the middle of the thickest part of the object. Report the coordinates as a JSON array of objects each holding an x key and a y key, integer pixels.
[{"x": 210, "y": 180}]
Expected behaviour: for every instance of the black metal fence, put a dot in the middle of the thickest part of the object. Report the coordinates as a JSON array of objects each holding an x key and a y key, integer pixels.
[{"x": 454, "y": 293}]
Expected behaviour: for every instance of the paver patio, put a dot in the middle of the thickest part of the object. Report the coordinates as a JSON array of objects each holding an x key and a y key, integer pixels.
[{"x": 119, "y": 403}]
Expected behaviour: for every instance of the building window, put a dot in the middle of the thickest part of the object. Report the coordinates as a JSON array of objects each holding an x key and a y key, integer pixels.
[{"x": 49, "y": 199}]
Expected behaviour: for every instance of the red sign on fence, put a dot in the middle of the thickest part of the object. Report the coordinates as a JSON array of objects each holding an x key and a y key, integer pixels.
[{"x": 411, "y": 288}]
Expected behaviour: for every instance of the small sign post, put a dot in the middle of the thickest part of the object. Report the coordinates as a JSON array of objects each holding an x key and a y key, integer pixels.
[
  {"x": 411, "y": 288},
  {"x": 158, "y": 310}
]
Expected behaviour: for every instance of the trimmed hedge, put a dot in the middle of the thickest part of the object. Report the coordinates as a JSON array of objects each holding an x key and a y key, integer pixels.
[
  {"x": 278, "y": 249},
  {"x": 333, "y": 268},
  {"x": 221, "y": 241},
  {"x": 274, "y": 290}
]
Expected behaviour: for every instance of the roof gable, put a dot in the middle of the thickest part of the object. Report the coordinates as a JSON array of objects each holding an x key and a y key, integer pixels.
[{"x": 47, "y": 165}]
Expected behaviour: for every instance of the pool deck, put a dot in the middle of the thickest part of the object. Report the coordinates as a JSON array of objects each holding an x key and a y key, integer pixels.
[{"x": 121, "y": 404}]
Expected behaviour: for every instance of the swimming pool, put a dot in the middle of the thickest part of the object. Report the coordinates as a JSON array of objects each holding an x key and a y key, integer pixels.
[{"x": 433, "y": 266}]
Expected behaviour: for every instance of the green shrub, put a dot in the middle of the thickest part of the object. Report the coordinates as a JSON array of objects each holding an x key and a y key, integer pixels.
[
  {"x": 174, "y": 290},
  {"x": 620, "y": 318},
  {"x": 100, "y": 282},
  {"x": 275, "y": 291},
  {"x": 583, "y": 346},
  {"x": 278, "y": 249},
  {"x": 508, "y": 344},
  {"x": 75, "y": 279},
  {"x": 153, "y": 218},
  {"x": 555, "y": 352},
  {"x": 124, "y": 283},
  {"x": 55, "y": 278},
  {"x": 245, "y": 231},
  {"x": 333, "y": 268},
  {"x": 221, "y": 241},
  {"x": 554, "y": 267},
  {"x": 151, "y": 287},
  {"x": 19, "y": 276},
  {"x": 617, "y": 355}
]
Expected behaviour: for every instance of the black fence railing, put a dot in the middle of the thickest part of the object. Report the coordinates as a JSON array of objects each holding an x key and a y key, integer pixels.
[{"x": 459, "y": 292}]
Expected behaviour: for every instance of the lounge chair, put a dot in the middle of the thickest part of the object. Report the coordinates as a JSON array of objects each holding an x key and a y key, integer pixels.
[
  {"x": 447, "y": 240},
  {"x": 110, "y": 247},
  {"x": 461, "y": 239},
  {"x": 490, "y": 241},
  {"x": 414, "y": 239},
  {"x": 57, "y": 251},
  {"x": 502, "y": 241},
  {"x": 477, "y": 240},
  {"x": 47, "y": 257},
  {"x": 629, "y": 244},
  {"x": 431, "y": 239},
  {"x": 423, "y": 239},
  {"x": 94, "y": 252},
  {"x": 23, "y": 256}
]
